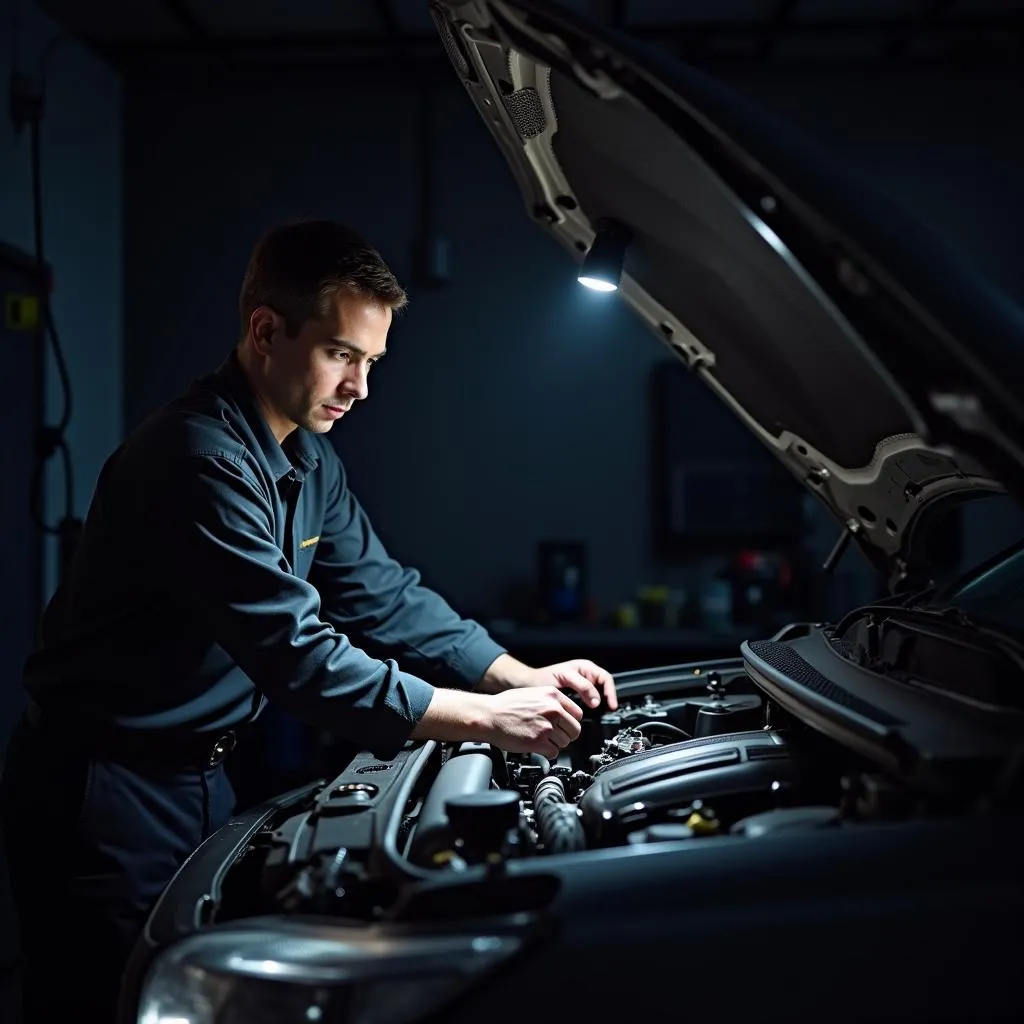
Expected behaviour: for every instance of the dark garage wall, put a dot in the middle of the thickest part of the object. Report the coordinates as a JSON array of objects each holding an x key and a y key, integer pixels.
[
  {"x": 947, "y": 146},
  {"x": 81, "y": 147},
  {"x": 82, "y": 204},
  {"x": 512, "y": 407}
]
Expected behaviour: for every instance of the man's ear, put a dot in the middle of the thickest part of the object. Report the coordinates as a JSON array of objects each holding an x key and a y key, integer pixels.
[{"x": 262, "y": 328}]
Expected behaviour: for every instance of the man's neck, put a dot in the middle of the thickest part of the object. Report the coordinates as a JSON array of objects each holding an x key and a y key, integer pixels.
[{"x": 279, "y": 425}]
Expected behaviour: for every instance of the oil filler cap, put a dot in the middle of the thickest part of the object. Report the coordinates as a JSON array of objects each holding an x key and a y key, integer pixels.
[{"x": 481, "y": 822}]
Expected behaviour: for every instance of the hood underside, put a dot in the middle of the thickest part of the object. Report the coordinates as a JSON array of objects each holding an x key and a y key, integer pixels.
[{"x": 858, "y": 349}]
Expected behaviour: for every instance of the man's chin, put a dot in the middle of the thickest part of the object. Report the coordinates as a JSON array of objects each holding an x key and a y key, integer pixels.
[{"x": 317, "y": 424}]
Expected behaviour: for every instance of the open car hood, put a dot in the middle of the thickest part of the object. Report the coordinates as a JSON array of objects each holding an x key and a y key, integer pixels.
[{"x": 879, "y": 369}]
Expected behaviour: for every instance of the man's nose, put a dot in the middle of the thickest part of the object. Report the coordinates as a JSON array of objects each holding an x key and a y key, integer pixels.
[{"x": 355, "y": 383}]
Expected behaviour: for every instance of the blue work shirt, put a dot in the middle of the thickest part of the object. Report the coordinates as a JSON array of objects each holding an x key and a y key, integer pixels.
[{"x": 217, "y": 566}]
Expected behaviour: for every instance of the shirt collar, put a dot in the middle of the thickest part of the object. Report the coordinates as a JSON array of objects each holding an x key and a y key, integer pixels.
[{"x": 298, "y": 449}]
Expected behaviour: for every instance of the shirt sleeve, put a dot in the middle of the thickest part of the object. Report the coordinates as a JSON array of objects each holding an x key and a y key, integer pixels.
[
  {"x": 367, "y": 594},
  {"x": 218, "y": 558}
]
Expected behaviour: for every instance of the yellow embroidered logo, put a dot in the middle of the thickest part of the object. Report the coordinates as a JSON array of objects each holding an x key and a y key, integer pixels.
[{"x": 308, "y": 543}]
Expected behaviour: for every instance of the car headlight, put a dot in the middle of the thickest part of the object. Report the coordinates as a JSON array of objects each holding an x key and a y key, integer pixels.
[{"x": 294, "y": 970}]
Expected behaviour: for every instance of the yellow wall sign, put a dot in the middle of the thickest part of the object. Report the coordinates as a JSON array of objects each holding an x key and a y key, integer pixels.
[{"x": 21, "y": 312}]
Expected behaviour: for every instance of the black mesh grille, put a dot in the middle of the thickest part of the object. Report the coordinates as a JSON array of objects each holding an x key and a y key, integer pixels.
[
  {"x": 784, "y": 659},
  {"x": 451, "y": 47},
  {"x": 369, "y": 769},
  {"x": 526, "y": 111}
]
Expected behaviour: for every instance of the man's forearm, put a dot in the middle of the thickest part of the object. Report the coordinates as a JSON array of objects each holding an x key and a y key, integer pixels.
[
  {"x": 454, "y": 716},
  {"x": 503, "y": 673}
]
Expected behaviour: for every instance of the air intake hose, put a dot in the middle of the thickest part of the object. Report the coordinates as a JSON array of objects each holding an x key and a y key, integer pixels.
[
  {"x": 558, "y": 823},
  {"x": 464, "y": 773}
]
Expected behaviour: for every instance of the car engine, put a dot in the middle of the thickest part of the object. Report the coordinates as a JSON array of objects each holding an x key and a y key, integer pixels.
[
  {"x": 690, "y": 755},
  {"x": 695, "y": 755},
  {"x": 655, "y": 770}
]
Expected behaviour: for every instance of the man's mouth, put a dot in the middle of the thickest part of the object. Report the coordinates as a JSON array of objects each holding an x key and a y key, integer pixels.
[{"x": 337, "y": 410}]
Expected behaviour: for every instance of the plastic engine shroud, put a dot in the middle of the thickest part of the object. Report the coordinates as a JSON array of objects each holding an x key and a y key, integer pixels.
[{"x": 734, "y": 773}]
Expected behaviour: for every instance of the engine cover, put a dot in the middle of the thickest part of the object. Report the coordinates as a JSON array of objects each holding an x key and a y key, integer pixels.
[{"x": 736, "y": 774}]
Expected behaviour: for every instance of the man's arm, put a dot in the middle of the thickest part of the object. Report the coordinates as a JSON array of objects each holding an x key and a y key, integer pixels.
[
  {"x": 215, "y": 553},
  {"x": 505, "y": 673},
  {"x": 368, "y": 595}
]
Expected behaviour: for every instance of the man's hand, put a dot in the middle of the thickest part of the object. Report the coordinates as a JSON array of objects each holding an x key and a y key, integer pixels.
[
  {"x": 532, "y": 720},
  {"x": 521, "y": 720},
  {"x": 580, "y": 676}
]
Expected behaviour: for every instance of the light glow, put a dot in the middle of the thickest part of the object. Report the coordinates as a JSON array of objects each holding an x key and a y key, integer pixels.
[{"x": 597, "y": 284}]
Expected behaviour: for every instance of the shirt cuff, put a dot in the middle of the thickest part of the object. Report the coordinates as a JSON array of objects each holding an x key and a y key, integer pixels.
[
  {"x": 473, "y": 658},
  {"x": 407, "y": 701}
]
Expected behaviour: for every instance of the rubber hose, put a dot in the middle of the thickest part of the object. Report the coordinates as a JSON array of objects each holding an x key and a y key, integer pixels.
[
  {"x": 542, "y": 762},
  {"x": 558, "y": 824}
]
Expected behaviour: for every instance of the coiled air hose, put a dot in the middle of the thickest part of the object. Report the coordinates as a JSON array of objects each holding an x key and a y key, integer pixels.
[{"x": 558, "y": 823}]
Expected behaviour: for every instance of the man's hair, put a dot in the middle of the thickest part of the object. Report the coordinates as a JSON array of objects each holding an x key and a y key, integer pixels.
[{"x": 299, "y": 269}]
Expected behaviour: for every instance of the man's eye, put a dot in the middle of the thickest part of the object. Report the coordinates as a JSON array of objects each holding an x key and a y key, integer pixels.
[{"x": 339, "y": 353}]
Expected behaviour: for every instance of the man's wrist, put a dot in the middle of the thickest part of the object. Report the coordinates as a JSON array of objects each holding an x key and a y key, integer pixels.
[
  {"x": 504, "y": 673},
  {"x": 455, "y": 716}
]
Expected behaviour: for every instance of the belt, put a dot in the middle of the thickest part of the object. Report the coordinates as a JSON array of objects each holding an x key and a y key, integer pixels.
[{"x": 171, "y": 748}]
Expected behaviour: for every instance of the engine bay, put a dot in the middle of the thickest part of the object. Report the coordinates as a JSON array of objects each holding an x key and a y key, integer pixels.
[
  {"x": 694, "y": 754},
  {"x": 655, "y": 770}
]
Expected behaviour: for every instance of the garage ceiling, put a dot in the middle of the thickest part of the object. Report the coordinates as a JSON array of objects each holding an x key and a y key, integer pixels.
[{"x": 703, "y": 31}]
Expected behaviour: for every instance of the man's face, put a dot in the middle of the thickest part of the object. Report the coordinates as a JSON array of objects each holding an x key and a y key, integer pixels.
[{"x": 314, "y": 378}]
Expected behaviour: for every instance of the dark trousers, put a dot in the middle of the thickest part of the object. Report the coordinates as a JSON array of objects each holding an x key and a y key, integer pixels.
[{"x": 90, "y": 846}]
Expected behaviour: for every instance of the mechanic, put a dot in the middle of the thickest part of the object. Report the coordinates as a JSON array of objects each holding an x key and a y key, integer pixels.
[{"x": 225, "y": 561}]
